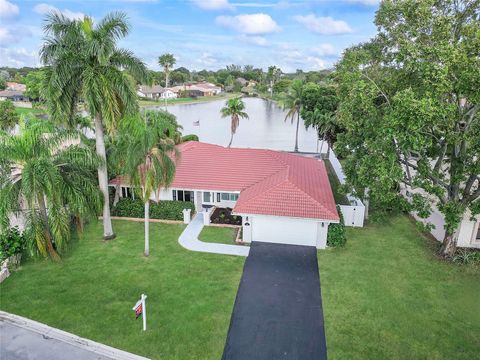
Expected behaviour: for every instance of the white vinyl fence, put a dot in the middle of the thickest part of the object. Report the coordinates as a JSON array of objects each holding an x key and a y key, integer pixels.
[{"x": 353, "y": 214}]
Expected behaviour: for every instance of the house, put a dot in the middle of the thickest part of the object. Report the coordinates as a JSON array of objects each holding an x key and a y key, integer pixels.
[
  {"x": 156, "y": 92},
  {"x": 16, "y": 86},
  {"x": 197, "y": 89},
  {"x": 13, "y": 95},
  {"x": 281, "y": 197}
]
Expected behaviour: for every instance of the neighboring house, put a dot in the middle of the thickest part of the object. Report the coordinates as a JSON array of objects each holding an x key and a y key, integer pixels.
[
  {"x": 468, "y": 234},
  {"x": 13, "y": 95},
  {"x": 281, "y": 197},
  {"x": 197, "y": 89},
  {"x": 16, "y": 86},
  {"x": 156, "y": 92}
]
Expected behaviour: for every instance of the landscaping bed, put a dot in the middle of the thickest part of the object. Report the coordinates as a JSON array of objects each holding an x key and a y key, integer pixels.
[{"x": 224, "y": 216}]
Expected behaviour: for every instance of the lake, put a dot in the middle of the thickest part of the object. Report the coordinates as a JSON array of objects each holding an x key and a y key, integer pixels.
[{"x": 264, "y": 129}]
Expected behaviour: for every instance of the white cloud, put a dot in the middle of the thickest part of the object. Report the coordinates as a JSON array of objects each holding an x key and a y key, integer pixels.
[
  {"x": 207, "y": 60},
  {"x": 249, "y": 23},
  {"x": 323, "y": 25},
  {"x": 7, "y": 9},
  {"x": 324, "y": 50},
  {"x": 18, "y": 57},
  {"x": 214, "y": 4},
  {"x": 255, "y": 40},
  {"x": 46, "y": 8},
  {"x": 14, "y": 34}
]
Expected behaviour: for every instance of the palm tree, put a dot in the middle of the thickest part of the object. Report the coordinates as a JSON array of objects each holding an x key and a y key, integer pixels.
[
  {"x": 84, "y": 64},
  {"x": 292, "y": 102},
  {"x": 50, "y": 175},
  {"x": 234, "y": 108},
  {"x": 146, "y": 151},
  {"x": 326, "y": 126},
  {"x": 167, "y": 61},
  {"x": 273, "y": 75}
]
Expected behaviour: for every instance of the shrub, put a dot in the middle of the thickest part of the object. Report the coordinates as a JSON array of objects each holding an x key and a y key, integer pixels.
[
  {"x": 336, "y": 233},
  {"x": 166, "y": 209},
  {"x": 191, "y": 137},
  {"x": 12, "y": 242},
  {"x": 467, "y": 256}
]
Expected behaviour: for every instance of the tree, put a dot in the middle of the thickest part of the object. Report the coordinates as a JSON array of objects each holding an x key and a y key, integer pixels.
[
  {"x": 409, "y": 102},
  {"x": 320, "y": 104},
  {"x": 34, "y": 81},
  {"x": 273, "y": 75},
  {"x": 3, "y": 83},
  {"x": 8, "y": 115},
  {"x": 167, "y": 61},
  {"x": 146, "y": 152},
  {"x": 292, "y": 101},
  {"x": 235, "y": 109},
  {"x": 281, "y": 86},
  {"x": 51, "y": 176},
  {"x": 84, "y": 64}
]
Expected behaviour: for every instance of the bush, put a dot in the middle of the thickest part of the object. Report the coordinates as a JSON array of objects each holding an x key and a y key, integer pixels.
[
  {"x": 191, "y": 137},
  {"x": 12, "y": 242},
  {"x": 336, "y": 233},
  {"x": 166, "y": 209},
  {"x": 467, "y": 256}
]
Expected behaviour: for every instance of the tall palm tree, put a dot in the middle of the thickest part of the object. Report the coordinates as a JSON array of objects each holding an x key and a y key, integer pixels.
[
  {"x": 273, "y": 74},
  {"x": 292, "y": 101},
  {"x": 167, "y": 61},
  {"x": 84, "y": 64},
  {"x": 50, "y": 176},
  {"x": 146, "y": 151},
  {"x": 326, "y": 126},
  {"x": 235, "y": 109}
]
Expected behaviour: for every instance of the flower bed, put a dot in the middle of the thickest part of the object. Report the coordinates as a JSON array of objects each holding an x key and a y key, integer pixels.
[{"x": 224, "y": 216}]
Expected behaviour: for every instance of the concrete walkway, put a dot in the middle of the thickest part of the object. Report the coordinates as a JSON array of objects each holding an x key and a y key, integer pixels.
[
  {"x": 189, "y": 240},
  {"x": 25, "y": 339}
]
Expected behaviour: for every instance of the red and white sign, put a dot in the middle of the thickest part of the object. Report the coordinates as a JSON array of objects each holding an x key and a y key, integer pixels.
[{"x": 141, "y": 309}]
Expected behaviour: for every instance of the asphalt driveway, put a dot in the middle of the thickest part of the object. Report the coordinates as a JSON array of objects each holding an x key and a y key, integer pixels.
[{"x": 278, "y": 310}]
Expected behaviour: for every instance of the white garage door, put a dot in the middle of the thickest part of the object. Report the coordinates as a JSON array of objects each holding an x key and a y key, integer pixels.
[{"x": 284, "y": 230}]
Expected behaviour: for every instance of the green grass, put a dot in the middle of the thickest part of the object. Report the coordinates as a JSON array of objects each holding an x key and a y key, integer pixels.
[
  {"x": 199, "y": 99},
  {"x": 26, "y": 111},
  {"x": 386, "y": 296},
  {"x": 219, "y": 235},
  {"x": 340, "y": 197},
  {"x": 92, "y": 291}
]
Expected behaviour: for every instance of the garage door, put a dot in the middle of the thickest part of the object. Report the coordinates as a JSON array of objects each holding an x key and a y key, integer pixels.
[{"x": 283, "y": 230}]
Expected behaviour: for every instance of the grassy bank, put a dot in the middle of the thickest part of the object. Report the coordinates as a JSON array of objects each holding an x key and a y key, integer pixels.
[{"x": 201, "y": 99}]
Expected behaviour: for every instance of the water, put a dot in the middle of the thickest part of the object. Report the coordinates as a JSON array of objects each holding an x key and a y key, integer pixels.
[{"x": 265, "y": 128}]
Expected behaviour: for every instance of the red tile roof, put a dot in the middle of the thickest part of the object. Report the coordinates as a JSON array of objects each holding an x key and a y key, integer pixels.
[{"x": 270, "y": 182}]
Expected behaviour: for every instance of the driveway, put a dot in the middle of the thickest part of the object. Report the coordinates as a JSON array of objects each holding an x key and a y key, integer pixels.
[{"x": 278, "y": 310}]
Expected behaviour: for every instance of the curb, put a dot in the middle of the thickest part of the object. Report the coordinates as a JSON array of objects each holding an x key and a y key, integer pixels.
[{"x": 68, "y": 338}]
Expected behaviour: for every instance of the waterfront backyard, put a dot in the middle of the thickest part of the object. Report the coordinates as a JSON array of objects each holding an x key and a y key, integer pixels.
[{"x": 384, "y": 295}]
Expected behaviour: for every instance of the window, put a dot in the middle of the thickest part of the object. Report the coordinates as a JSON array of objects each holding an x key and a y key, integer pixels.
[
  {"x": 229, "y": 197},
  {"x": 127, "y": 192},
  {"x": 218, "y": 197},
  {"x": 182, "y": 195}
]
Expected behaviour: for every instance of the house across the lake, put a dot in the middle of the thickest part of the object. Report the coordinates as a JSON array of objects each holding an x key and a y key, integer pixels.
[
  {"x": 156, "y": 92},
  {"x": 197, "y": 89},
  {"x": 282, "y": 198}
]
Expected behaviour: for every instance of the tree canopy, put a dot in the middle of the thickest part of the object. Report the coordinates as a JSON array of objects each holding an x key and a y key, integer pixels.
[{"x": 409, "y": 102}]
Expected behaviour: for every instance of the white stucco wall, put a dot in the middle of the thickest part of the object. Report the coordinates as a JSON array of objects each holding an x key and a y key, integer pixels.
[{"x": 285, "y": 230}]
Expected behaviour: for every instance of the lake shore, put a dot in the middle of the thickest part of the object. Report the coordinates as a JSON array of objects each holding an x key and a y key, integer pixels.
[{"x": 187, "y": 101}]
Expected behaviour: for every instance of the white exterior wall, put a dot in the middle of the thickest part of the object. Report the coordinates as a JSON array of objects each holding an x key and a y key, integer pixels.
[
  {"x": 168, "y": 94},
  {"x": 285, "y": 230}
]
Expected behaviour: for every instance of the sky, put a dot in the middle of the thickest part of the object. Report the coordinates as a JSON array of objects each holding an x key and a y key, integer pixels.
[{"x": 205, "y": 34}]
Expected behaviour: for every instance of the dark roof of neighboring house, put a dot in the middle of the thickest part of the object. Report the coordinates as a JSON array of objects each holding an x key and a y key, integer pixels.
[
  {"x": 270, "y": 182},
  {"x": 11, "y": 93}
]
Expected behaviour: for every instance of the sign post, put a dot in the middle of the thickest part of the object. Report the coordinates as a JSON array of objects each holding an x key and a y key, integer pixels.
[{"x": 141, "y": 309}]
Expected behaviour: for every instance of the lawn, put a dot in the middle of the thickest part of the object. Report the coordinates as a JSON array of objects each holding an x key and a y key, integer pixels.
[
  {"x": 92, "y": 291},
  {"x": 28, "y": 111},
  {"x": 200, "y": 99},
  {"x": 220, "y": 235},
  {"x": 386, "y": 296}
]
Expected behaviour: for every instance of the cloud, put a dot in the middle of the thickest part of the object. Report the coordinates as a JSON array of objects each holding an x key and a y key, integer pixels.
[
  {"x": 13, "y": 34},
  {"x": 7, "y": 9},
  {"x": 249, "y": 23},
  {"x": 207, "y": 60},
  {"x": 18, "y": 57},
  {"x": 255, "y": 40},
  {"x": 214, "y": 4},
  {"x": 46, "y": 8},
  {"x": 325, "y": 50},
  {"x": 323, "y": 25}
]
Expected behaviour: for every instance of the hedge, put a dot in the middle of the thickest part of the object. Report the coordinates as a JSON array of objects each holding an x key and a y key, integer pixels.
[
  {"x": 165, "y": 209},
  {"x": 336, "y": 236}
]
